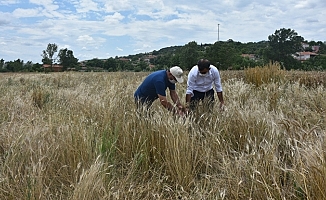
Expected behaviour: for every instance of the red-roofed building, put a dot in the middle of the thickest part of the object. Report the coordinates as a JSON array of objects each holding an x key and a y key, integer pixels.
[
  {"x": 124, "y": 59},
  {"x": 55, "y": 67},
  {"x": 250, "y": 56},
  {"x": 306, "y": 55}
]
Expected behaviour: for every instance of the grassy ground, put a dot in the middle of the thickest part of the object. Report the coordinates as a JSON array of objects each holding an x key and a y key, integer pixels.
[{"x": 78, "y": 136}]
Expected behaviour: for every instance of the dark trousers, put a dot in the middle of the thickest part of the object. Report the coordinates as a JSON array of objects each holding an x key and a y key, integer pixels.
[
  {"x": 143, "y": 104},
  {"x": 207, "y": 99}
]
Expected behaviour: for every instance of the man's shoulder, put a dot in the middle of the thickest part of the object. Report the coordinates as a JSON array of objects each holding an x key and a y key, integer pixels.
[
  {"x": 160, "y": 71},
  {"x": 157, "y": 73},
  {"x": 193, "y": 70},
  {"x": 157, "y": 77},
  {"x": 213, "y": 67}
]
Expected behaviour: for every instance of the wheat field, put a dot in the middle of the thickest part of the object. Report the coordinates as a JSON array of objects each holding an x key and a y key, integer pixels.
[{"x": 77, "y": 136}]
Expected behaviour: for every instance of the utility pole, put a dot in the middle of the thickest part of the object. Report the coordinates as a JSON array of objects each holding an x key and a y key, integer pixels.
[{"x": 218, "y": 32}]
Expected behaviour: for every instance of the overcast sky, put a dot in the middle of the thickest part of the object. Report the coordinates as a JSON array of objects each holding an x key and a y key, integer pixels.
[{"x": 109, "y": 28}]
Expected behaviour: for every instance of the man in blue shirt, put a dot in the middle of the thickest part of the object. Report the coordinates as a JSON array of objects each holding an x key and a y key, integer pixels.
[
  {"x": 201, "y": 79},
  {"x": 154, "y": 87}
]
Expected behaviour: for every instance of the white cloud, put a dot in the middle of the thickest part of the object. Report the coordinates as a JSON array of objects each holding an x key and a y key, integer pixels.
[
  {"x": 121, "y": 5},
  {"x": 103, "y": 28},
  {"x": 20, "y": 12},
  {"x": 83, "y": 6},
  {"x": 302, "y": 4},
  {"x": 93, "y": 42},
  {"x": 115, "y": 18},
  {"x": 65, "y": 46},
  {"x": 8, "y": 2},
  {"x": 5, "y": 18},
  {"x": 85, "y": 39},
  {"x": 47, "y": 4}
]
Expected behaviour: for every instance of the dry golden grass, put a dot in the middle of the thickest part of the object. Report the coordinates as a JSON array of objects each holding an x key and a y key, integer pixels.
[
  {"x": 273, "y": 73},
  {"x": 78, "y": 136},
  {"x": 270, "y": 73},
  {"x": 308, "y": 78}
]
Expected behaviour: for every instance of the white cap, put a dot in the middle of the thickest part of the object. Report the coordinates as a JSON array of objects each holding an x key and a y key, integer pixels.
[{"x": 177, "y": 73}]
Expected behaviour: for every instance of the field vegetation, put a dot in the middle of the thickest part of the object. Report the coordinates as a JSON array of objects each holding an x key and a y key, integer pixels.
[{"x": 75, "y": 135}]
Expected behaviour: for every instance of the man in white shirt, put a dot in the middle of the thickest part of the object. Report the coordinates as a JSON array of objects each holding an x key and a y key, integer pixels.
[{"x": 201, "y": 79}]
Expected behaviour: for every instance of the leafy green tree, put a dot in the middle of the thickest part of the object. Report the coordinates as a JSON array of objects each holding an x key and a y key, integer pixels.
[
  {"x": 142, "y": 66},
  {"x": 2, "y": 64},
  {"x": 3, "y": 67},
  {"x": 224, "y": 55},
  {"x": 322, "y": 47},
  {"x": 189, "y": 55},
  {"x": 95, "y": 62},
  {"x": 163, "y": 61},
  {"x": 175, "y": 60},
  {"x": 317, "y": 63},
  {"x": 111, "y": 65},
  {"x": 48, "y": 54},
  {"x": 282, "y": 45},
  {"x": 27, "y": 67},
  {"x": 67, "y": 59},
  {"x": 15, "y": 66},
  {"x": 155, "y": 52},
  {"x": 37, "y": 67},
  {"x": 125, "y": 66},
  {"x": 253, "y": 47}
]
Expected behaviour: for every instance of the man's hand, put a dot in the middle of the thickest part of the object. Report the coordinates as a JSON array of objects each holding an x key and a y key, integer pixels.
[
  {"x": 181, "y": 110},
  {"x": 222, "y": 106}
]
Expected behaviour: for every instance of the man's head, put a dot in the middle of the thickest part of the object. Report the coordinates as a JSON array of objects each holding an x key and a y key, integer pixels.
[
  {"x": 203, "y": 66},
  {"x": 177, "y": 73}
]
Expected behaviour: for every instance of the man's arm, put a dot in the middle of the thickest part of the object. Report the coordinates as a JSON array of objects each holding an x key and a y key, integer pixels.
[
  {"x": 188, "y": 98},
  {"x": 218, "y": 87},
  {"x": 175, "y": 97},
  {"x": 220, "y": 97},
  {"x": 190, "y": 87},
  {"x": 165, "y": 103}
]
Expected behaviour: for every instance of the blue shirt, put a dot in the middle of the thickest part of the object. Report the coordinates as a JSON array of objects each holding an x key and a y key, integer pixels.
[{"x": 154, "y": 84}]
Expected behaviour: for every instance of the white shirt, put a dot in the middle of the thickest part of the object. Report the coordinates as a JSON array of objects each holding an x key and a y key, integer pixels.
[{"x": 203, "y": 83}]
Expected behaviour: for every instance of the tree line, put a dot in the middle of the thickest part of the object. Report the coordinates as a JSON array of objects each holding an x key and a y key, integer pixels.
[{"x": 226, "y": 55}]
